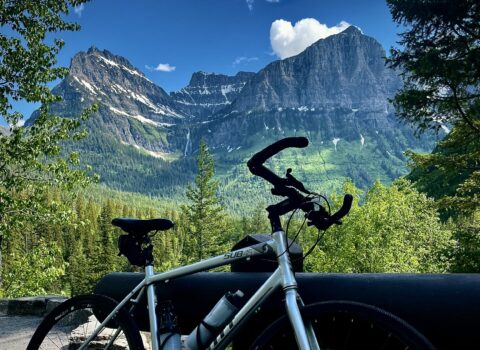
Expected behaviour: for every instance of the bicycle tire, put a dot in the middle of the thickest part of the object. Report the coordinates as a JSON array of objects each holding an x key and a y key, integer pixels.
[
  {"x": 344, "y": 325},
  {"x": 67, "y": 325}
]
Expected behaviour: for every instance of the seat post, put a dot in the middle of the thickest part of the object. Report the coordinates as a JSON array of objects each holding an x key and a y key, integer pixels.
[
  {"x": 152, "y": 305},
  {"x": 148, "y": 252}
]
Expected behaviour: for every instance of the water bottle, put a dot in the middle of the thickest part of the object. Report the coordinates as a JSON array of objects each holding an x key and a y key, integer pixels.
[
  {"x": 221, "y": 314},
  {"x": 168, "y": 332}
]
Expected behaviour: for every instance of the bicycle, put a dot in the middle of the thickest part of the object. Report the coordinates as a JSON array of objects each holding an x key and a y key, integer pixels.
[{"x": 326, "y": 325}]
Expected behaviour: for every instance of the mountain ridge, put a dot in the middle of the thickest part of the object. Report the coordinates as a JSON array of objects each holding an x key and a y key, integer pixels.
[
  {"x": 335, "y": 93},
  {"x": 208, "y": 93}
]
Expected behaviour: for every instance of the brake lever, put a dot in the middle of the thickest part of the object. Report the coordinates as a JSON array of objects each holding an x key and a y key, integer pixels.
[
  {"x": 292, "y": 181},
  {"x": 322, "y": 220}
]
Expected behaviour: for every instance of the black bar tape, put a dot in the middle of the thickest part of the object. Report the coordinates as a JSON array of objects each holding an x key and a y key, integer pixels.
[{"x": 260, "y": 157}]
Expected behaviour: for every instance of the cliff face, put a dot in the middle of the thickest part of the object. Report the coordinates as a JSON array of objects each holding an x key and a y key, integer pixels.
[
  {"x": 344, "y": 70},
  {"x": 337, "y": 89},
  {"x": 208, "y": 93}
]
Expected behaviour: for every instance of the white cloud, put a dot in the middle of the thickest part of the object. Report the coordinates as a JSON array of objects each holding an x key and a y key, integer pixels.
[
  {"x": 251, "y": 2},
  {"x": 162, "y": 67},
  {"x": 288, "y": 40},
  {"x": 79, "y": 9},
  {"x": 243, "y": 59}
]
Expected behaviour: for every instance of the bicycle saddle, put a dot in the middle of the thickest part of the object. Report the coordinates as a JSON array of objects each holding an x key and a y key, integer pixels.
[{"x": 142, "y": 227}]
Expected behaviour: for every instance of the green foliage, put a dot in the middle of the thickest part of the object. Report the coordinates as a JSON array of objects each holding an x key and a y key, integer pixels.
[
  {"x": 451, "y": 173},
  {"x": 35, "y": 272},
  {"x": 257, "y": 221},
  {"x": 204, "y": 215},
  {"x": 466, "y": 254},
  {"x": 78, "y": 272},
  {"x": 104, "y": 260},
  {"x": 31, "y": 161},
  {"x": 440, "y": 63},
  {"x": 31, "y": 165},
  {"x": 397, "y": 229},
  {"x": 439, "y": 58},
  {"x": 27, "y": 61}
]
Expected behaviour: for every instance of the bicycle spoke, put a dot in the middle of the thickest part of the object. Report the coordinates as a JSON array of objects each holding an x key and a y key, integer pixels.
[{"x": 72, "y": 323}]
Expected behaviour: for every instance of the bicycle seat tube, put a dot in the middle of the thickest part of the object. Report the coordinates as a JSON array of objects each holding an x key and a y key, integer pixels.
[{"x": 151, "y": 299}]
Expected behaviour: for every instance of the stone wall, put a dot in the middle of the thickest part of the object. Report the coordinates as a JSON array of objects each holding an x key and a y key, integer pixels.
[{"x": 31, "y": 306}]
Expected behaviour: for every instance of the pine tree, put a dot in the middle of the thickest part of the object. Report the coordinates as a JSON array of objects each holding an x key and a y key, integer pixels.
[
  {"x": 205, "y": 216},
  {"x": 79, "y": 277},
  {"x": 439, "y": 60},
  {"x": 105, "y": 259}
]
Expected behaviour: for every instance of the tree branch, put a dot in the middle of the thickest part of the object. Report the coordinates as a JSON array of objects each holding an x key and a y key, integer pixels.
[{"x": 462, "y": 112}]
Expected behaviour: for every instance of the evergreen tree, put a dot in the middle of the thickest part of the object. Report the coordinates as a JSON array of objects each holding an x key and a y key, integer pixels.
[
  {"x": 440, "y": 63},
  {"x": 78, "y": 272},
  {"x": 466, "y": 254},
  {"x": 105, "y": 259},
  {"x": 257, "y": 222},
  {"x": 204, "y": 214}
]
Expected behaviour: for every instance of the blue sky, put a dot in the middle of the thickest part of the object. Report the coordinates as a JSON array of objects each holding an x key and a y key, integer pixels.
[{"x": 222, "y": 36}]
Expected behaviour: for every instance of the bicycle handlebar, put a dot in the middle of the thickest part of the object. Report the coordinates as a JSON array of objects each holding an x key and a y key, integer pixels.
[
  {"x": 260, "y": 157},
  {"x": 255, "y": 164},
  {"x": 289, "y": 187}
]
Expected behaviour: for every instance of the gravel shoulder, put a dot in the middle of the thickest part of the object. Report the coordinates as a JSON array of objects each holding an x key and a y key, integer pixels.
[{"x": 16, "y": 331}]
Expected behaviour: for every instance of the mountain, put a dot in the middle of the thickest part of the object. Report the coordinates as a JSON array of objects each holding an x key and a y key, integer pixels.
[
  {"x": 335, "y": 92},
  {"x": 339, "y": 87},
  {"x": 207, "y": 93},
  {"x": 132, "y": 109},
  {"x": 345, "y": 70}
]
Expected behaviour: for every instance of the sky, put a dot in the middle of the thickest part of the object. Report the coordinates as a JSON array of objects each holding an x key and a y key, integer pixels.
[{"x": 170, "y": 39}]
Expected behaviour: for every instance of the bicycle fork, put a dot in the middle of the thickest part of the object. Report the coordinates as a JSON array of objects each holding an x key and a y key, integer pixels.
[{"x": 304, "y": 333}]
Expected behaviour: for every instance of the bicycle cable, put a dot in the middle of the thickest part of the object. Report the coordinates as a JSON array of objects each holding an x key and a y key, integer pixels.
[{"x": 319, "y": 236}]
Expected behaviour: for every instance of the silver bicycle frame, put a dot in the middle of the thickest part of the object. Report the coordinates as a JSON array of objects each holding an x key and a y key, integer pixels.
[{"x": 283, "y": 277}]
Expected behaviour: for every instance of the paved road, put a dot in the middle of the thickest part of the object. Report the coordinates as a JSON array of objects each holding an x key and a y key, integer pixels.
[{"x": 15, "y": 331}]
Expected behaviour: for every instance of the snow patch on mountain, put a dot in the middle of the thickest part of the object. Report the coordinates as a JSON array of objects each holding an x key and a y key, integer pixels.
[
  {"x": 140, "y": 118},
  {"x": 335, "y": 141}
]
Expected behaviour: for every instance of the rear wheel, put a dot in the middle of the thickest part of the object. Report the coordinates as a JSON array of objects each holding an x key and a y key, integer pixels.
[
  {"x": 70, "y": 324},
  {"x": 342, "y": 325}
]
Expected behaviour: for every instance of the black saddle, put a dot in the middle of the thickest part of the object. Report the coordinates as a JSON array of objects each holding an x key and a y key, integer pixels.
[{"x": 139, "y": 227}]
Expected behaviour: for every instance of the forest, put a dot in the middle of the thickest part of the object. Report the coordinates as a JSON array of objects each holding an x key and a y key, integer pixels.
[{"x": 56, "y": 235}]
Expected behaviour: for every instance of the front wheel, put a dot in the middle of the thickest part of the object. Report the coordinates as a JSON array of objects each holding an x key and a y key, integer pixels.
[
  {"x": 344, "y": 325},
  {"x": 71, "y": 323}
]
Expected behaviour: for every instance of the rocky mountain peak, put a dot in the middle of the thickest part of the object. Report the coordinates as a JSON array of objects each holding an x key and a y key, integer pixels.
[
  {"x": 103, "y": 67},
  {"x": 352, "y": 30},
  {"x": 207, "y": 93},
  {"x": 132, "y": 109},
  {"x": 346, "y": 69},
  {"x": 116, "y": 84}
]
